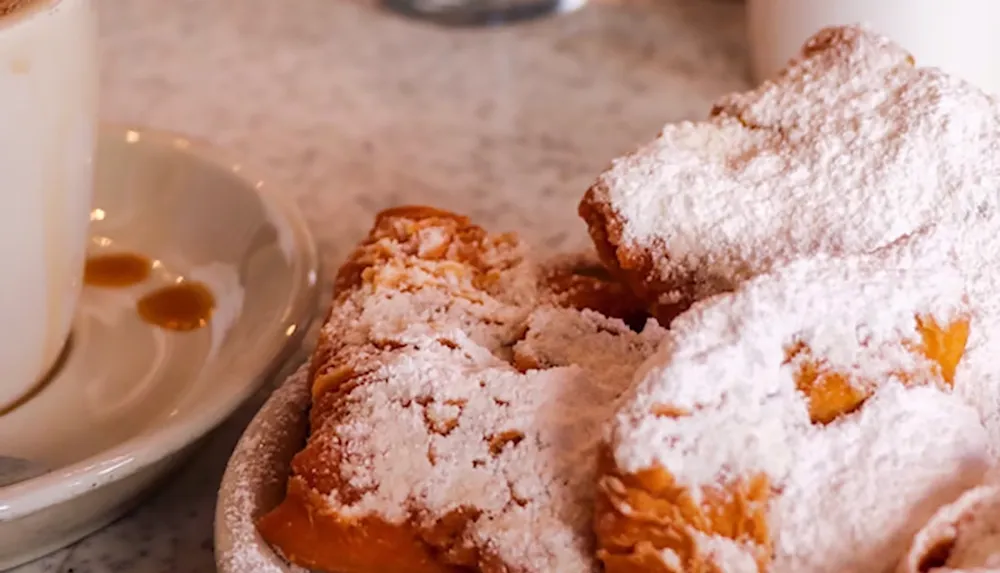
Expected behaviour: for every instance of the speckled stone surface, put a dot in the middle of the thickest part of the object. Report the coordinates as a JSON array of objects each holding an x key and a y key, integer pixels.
[{"x": 350, "y": 110}]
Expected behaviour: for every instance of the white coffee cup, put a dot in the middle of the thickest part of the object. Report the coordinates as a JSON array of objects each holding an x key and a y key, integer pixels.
[
  {"x": 958, "y": 36},
  {"x": 48, "y": 125}
]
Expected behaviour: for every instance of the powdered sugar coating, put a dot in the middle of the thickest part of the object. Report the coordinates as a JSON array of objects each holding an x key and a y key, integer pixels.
[
  {"x": 472, "y": 397},
  {"x": 724, "y": 363},
  {"x": 978, "y": 376},
  {"x": 852, "y": 311},
  {"x": 533, "y": 494},
  {"x": 724, "y": 553},
  {"x": 860, "y": 488}
]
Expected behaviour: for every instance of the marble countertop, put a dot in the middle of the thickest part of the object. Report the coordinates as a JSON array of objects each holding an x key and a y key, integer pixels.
[{"x": 351, "y": 110}]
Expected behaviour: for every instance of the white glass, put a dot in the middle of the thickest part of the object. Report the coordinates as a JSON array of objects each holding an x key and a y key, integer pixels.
[
  {"x": 48, "y": 115},
  {"x": 958, "y": 36}
]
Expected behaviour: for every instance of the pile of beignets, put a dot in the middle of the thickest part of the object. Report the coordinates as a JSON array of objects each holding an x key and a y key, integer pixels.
[{"x": 783, "y": 356}]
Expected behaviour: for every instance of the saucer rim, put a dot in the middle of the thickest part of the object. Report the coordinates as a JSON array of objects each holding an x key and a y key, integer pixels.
[
  {"x": 129, "y": 456},
  {"x": 277, "y": 431}
]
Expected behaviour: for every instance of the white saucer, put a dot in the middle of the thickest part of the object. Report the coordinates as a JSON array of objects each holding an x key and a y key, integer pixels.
[{"x": 132, "y": 399}]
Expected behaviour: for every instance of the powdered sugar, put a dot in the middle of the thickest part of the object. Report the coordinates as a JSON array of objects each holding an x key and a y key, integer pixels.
[
  {"x": 852, "y": 311},
  {"x": 727, "y": 555},
  {"x": 861, "y": 487},
  {"x": 978, "y": 376}
]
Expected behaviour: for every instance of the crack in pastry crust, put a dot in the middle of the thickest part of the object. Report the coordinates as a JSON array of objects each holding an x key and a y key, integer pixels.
[{"x": 458, "y": 390}]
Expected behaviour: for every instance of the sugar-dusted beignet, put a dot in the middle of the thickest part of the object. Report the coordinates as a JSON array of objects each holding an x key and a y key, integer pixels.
[
  {"x": 847, "y": 150},
  {"x": 459, "y": 388},
  {"x": 804, "y": 422}
]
